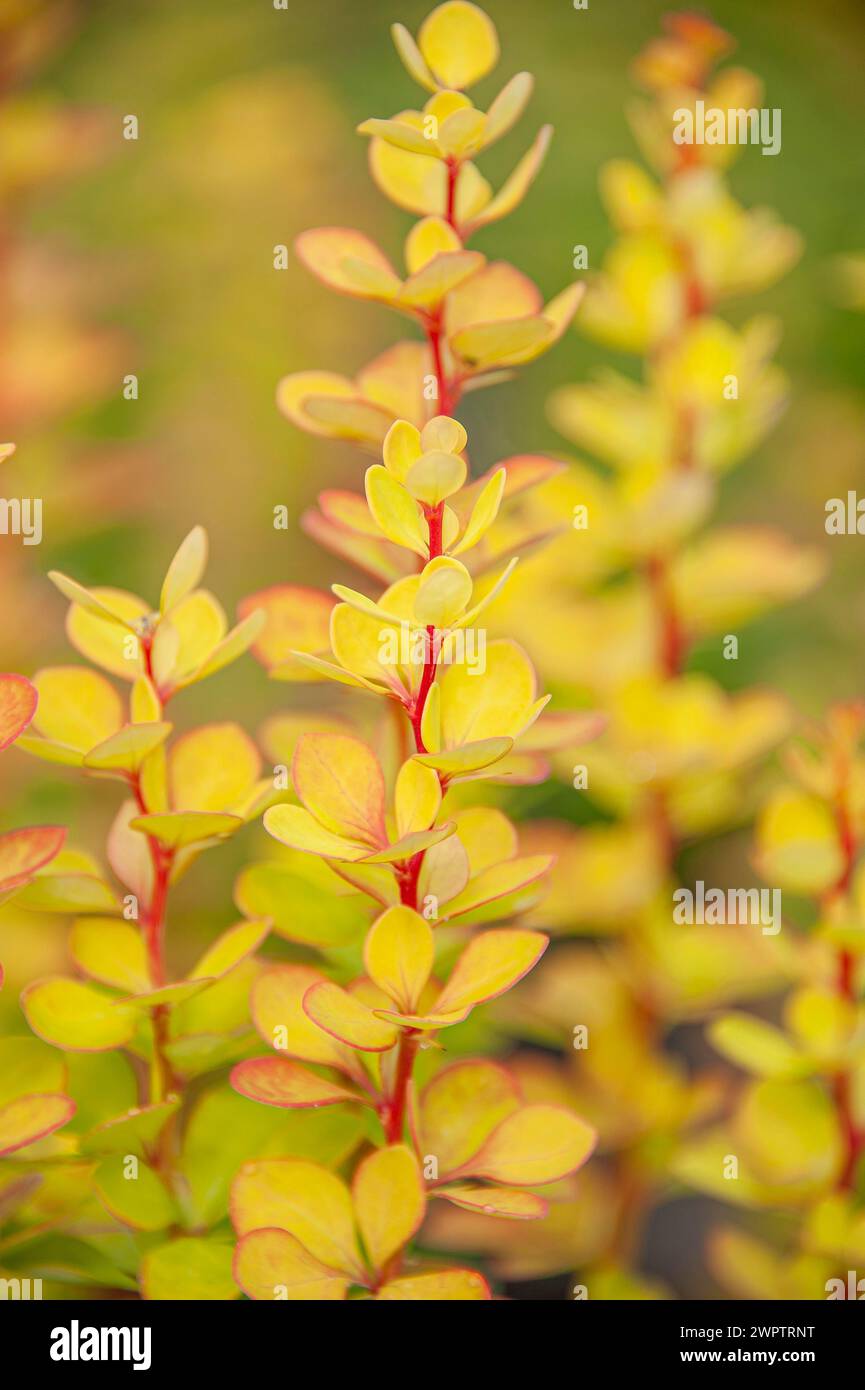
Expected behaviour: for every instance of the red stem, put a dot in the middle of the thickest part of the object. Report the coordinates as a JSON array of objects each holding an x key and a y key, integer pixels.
[{"x": 854, "y": 1138}]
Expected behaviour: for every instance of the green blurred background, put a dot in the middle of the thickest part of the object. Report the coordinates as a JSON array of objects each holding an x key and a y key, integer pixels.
[{"x": 160, "y": 252}]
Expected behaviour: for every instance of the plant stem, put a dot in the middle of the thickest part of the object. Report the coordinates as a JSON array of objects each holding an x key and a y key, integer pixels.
[
  {"x": 854, "y": 1138},
  {"x": 396, "y": 1109}
]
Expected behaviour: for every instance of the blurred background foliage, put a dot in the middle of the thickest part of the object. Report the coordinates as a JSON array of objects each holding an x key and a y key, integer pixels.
[{"x": 155, "y": 257}]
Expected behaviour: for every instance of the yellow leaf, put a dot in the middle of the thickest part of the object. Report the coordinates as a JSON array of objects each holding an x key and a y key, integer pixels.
[
  {"x": 412, "y": 57},
  {"x": 499, "y": 881},
  {"x": 229, "y": 949},
  {"x": 232, "y": 645},
  {"x": 339, "y": 780},
  {"x": 398, "y": 955},
  {"x": 484, "y": 512},
  {"x": 125, "y": 752},
  {"x": 402, "y": 446},
  {"x": 428, "y": 286},
  {"x": 508, "y": 106},
  {"x": 458, "y": 43},
  {"x": 501, "y": 344},
  {"x": 76, "y": 707},
  {"x": 798, "y": 847},
  {"x": 192, "y": 1269},
  {"x": 518, "y": 182},
  {"x": 499, "y": 703},
  {"x": 462, "y": 1285},
  {"x": 271, "y": 1264},
  {"x": 75, "y": 1016},
  {"x": 112, "y": 952},
  {"x": 417, "y": 797},
  {"x": 533, "y": 1146},
  {"x": 179, "y": 829},
  {"x": 471, "y": 757},
  {"x": 186, "y": 569},
  {"x": 396, "y": 511},
  {"x": 754, "y": 1045},
  {"x": 428, "y": 238},
  {"x": 347, "y": 1019},
  {"x": 295, "y": 827},
  {"x": 491, "y": 963},
  {"x": 791, "y": 1134},
  {"x": 444, "y": 592},
  {"x": 212, "y": 768},
  {"x": 409, "y": 845},
  {"x": 348, "y": 261},
  {"x": 303, "y": 1199},
  {"x": 105, "y": 641},
  {"x": 389, "y": 1201}
]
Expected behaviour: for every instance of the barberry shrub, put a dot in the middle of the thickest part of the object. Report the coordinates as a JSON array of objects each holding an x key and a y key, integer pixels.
[
  {"x": 131, "y": 1190},
  {"x": 653, "y": 599},
  {"x": 387, "y": 866}
]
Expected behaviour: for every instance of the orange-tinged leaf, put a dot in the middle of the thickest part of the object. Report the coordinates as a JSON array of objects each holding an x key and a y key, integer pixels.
[
  {"x": 461, "y": 1107},
  {"x": 76, "y": 1016},
  {"x": 535, "y": 1145},
  {"x": 18, "y": 700},
  {"x": 509, "y": 1202},
  {"x": 296, "y": 620},
  {"x": 463, "y": 1285},
  {"x": 271, "y": 1264},
  {"x": 304, "y": 1199},
  {"x": 389, "y": 1201},
  {"x": 348, "y": 261},
  {"x": 23, "y": 852},
  {"x": 398, "y": 955},
  {"x": 498, "y": 881},
  {"x": 31, "y": 1117},
  {"x": 212, "y": 768},
  {"x": 339, "y": 780},
  {"x": 276, "y": 1004},
  {"x": 491, "y": 963},
  {"x": 348, "y": 1020},
  {"x": 279, "y": 1081}
]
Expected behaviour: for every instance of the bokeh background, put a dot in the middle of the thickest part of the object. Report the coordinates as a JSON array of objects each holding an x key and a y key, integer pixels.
[{"x": 155, "y": 257}]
